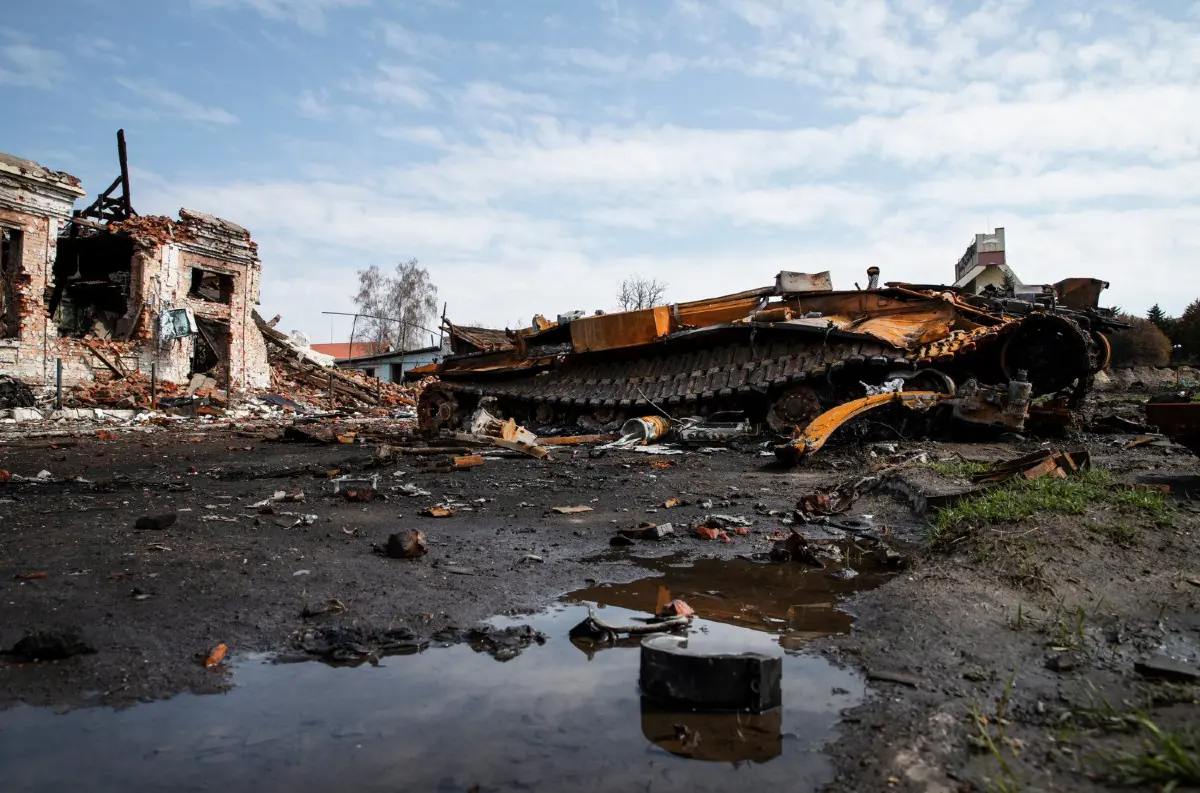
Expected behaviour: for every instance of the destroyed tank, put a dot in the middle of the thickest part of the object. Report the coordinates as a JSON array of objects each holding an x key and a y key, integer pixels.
[{"x": 780, "y": 355}]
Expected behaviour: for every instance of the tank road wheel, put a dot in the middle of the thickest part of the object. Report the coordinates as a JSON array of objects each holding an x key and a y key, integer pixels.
[
  {"x": 930, "y": 380},
  {"x": 604, "y": 414},
  {"x": 1104, "y": 350},
  {"x": 544, "y": 414},
  {"x": 1056, "y": 353},
  {"x": 794, "y": 409},
  {"x": 436, "y": 410}
]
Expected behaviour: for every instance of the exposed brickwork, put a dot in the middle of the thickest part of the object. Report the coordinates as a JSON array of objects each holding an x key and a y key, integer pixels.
[{"x": 38, "y": 201}]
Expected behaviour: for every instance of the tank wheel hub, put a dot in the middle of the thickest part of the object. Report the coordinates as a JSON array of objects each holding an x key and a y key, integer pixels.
[
  {"x": 794, "y": 408},
  {"x": 436, "y": 409}
]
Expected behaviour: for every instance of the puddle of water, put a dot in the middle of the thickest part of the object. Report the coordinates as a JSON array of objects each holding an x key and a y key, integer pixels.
[
  {"x": 791, "y": 600},
  {"x": 555, "y": 718}
]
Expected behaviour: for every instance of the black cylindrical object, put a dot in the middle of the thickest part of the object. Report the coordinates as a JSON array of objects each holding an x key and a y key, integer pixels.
[{"x": 58, "y": 383}]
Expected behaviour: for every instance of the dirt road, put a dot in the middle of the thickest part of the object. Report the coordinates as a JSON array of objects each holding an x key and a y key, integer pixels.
[{"x": 1015, "y": 643}]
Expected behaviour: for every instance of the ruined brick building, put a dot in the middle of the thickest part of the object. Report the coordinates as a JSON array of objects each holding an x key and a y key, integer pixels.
[{"x": 106, "y": 290}]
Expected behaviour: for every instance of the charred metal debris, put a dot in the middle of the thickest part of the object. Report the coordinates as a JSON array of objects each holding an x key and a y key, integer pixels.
[
  {"x": 796, "y": 360},
  {"x": 113, "y": 309}
]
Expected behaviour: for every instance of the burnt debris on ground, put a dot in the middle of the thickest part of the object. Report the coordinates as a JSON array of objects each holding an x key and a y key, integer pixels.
[{"x": 1009, "y": 525}]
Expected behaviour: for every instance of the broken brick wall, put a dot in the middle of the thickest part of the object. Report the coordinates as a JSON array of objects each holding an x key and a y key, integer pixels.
[
  {"x": 38, "y": 202},
  {"x": 35, "y": 202}
]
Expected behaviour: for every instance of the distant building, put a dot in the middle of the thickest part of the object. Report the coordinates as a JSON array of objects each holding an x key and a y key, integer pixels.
[
  {"x": 391, "y": 366},
  {"x": 984, "y": 264},
  {"x": 345, "y": 349}
]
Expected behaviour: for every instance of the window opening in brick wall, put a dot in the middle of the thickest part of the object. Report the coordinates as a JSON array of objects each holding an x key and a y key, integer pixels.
[
  {"x": 90, "y": 286},
  {"x": 211, "y": 286},
  {"x": 210, "y": 354},
  {"x": 10, "y": 274}
]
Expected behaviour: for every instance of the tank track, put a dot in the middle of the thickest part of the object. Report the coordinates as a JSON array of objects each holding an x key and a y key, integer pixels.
[{"x": 748, "y": 374}]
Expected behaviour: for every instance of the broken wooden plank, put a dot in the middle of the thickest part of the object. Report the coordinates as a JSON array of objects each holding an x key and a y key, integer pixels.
[
  {"x": 116, "y": 369},
  {"x": 533, "y": 450},
  {"x": 575, "y": 440}
]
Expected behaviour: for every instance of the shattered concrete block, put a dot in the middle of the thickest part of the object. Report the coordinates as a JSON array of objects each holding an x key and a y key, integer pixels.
[{"x": 27, "y": 414}]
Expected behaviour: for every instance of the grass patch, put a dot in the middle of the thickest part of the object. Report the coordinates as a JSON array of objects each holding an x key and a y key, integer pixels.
[
  {"x": 1150, "y": 502},
  {"x": 991, "y": 737},
  {"x": 1119, "y": 533},
  {"x": 957, "y": 469},
  {"x": 1170, "y": 758},
  {"x": 1020, "y": 499}
]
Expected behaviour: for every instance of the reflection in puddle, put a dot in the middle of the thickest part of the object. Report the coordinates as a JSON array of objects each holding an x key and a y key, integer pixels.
[
  {"x": 791, "y": 600},
  {"x": 449, "y": 719},
  {"x": 720, "y": 737}
]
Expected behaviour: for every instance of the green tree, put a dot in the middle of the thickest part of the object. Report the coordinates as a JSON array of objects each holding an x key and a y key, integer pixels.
[
  {"x": 1009, "y": 284},
  {"x": 1165, "y": 322}
]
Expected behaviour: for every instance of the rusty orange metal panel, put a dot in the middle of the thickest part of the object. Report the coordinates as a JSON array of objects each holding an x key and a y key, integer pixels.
[
  {"x": 715, "y": 312},
  {"x": 430, "y": 369},
  {"x": 625, "y": 329},
  {"x": 909, "y": 327},
  {"x": 1080, "y": 293}
]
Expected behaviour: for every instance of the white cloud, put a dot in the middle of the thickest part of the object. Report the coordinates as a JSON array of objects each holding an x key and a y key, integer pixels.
[
  {"x": 23, "y": 64},
  {"x": 1074, "y": 185},
  {"x": 178, "y": 104},
  {"x": 99, "y": 48},
  {"x": 622, "y": 18},
  {"x": 856, "y": 133},
  {"x": 412, "y": 43},
  {"x": 651, "y": 66},
  {"x": 310, "y": 106},
  {"x": 493, "y": 96},
  {"x": 308, "y": 14},
  {"x": 425, "y": 135},
  {"x": 397, "y": 84}
]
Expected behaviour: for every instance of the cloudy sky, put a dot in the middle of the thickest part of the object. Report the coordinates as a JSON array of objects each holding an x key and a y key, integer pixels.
[{"x": 533, "y": 153}]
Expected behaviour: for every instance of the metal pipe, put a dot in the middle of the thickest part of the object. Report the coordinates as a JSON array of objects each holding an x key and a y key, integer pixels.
[
  {"x": 872, "y": 277},
  {"x": 58, "y": 383},
  {"x": 374, "y": 316},
  {"x": 153, "y": 385}
]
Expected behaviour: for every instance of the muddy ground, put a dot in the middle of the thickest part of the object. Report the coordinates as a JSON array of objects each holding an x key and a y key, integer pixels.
[{"x": 1015, "y": 643}]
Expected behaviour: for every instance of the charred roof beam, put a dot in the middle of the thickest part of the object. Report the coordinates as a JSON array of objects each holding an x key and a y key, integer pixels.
[{"x": 108, "y": 207}]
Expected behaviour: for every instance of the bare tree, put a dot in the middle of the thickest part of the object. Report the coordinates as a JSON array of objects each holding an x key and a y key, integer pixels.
[
  {"x": 372, "y": 300},
  {"x": 638, "y": 292},
  {"x": 407, "y": 300}
]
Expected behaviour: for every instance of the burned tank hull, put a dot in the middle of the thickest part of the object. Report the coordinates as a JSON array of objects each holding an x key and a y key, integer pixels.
[{"x": 779, "y": 355}]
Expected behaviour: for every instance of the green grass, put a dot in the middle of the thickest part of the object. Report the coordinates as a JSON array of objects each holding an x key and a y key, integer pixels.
[
  {"x": 1151, "y": 502},
  {"x": 957, "y": 469},
  {"x": 991, "y": 737},
  {"x": 1119, "y": 533},
  {"x": 1170, "y": 758},
  {"x": 1021, "y": 499}
]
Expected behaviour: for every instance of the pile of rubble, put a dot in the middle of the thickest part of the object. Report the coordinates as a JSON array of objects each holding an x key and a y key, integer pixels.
[
  {"x": 130, "y": 391},
  {"x": 306, "y": 378},
  {"x": 1148, "y": 378},
  {"x": 302, "y": 381}
]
